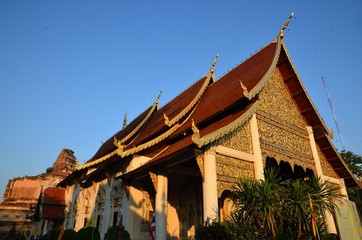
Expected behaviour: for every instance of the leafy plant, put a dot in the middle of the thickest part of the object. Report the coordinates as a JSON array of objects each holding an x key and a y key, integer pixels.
[{"x": 276, "y": 209}]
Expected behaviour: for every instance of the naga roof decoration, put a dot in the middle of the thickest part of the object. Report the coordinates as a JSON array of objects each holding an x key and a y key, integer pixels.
[
  {"x": 148, "y": 144},
  {"x": 208, "y": 110},
  {"x": 119, "y": 143},
  {"x": 208, "y": 79}
]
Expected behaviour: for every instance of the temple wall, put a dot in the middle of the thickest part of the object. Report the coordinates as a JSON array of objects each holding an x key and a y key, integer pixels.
[
  {"x": 106, "y": 204},
  {"x": 282, "y": 129}
]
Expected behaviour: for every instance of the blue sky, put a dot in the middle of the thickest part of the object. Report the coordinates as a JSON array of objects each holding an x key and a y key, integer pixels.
[{"x": 69, "y": 70}]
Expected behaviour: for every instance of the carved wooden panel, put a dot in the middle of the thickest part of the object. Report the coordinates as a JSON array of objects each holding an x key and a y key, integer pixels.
[{"x": 230, "y": 170}]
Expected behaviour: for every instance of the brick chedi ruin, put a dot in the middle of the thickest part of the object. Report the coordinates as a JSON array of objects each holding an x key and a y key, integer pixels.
[{"x": 22, "y": 194}]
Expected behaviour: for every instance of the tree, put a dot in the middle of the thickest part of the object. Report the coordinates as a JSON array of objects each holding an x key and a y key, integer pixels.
[{"x": 354, "y": 162}]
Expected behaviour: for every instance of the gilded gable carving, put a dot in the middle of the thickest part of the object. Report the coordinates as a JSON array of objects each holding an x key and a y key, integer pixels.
[
  {"x": 275, "y": 99},
  {"x": 230, "y": 170},
  {"x": 239, "y": 139},
  {"x": 282, "y": 129}
]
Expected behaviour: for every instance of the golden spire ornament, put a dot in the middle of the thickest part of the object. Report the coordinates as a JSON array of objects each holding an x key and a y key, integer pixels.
[{"x": 285, "y": 25}]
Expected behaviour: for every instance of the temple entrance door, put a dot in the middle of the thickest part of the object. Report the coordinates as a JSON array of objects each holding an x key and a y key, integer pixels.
[
  {"x": 190, "y": 210},
  {"x": 185, "y": 199}
]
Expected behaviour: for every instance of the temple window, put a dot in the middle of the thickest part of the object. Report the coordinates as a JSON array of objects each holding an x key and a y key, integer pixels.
[{"x": 116, "y": 202}]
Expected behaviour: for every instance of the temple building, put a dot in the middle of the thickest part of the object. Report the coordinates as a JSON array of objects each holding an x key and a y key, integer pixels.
[
  {"x": 22, "y": 194},
  {"x": 179, "y": 161}
]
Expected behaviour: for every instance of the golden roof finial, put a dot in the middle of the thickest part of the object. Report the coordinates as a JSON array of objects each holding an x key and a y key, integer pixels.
[
  {"x": 125, "y": 120},
  {"x": 159, "y": 95},
  {"x": 285, "y": 25},
  {"x": 214, "y": 63}
]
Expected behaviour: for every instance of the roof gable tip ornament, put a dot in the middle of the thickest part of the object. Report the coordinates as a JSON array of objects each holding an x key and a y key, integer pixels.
[
  {"x": 124, "y": 120},
  {"x": 212, "y": 68},
  {"x": 159, "y": 96},
  {"x": 118, "y": 144},
  {"x": 167, "y": 120},
  {"x": 245, "y": 91},
  {"x": 155, "y": 104},
  {"x": 196, "y": 135},
  {"x": 285, "y": 25}
]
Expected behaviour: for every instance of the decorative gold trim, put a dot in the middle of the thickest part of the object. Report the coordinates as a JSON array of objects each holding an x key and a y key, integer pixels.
[
  {"x": 285, "y": 25},
  {"x": 282, "y": 124},
  {"x": 90, "y": 164},
  {"x": 136, "y": 129},
  {"x": 153, "y": 177},
  {"x": 167, "y": 120},
  {"x": 118, "y": 144},
  {"x": 191, "y": 104},
  {"x": 200, "y": 162},
  {"x": 253, "y": 92},
  {"x": 148, "y": 144},
  {"x": 196, "y": 132},
  {"x": 303, "y": 87},
  {"x": 212, "y": 69},
  {"x": 224, "y": 130},
  {"x": 245, "y": 90}
]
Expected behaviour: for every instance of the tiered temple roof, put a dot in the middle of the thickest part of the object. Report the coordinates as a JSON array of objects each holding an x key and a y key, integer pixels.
[{"x": 204, "y": 113}]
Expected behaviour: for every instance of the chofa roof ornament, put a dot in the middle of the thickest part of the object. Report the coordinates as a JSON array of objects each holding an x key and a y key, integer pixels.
[{"x": 285, "y": 25}]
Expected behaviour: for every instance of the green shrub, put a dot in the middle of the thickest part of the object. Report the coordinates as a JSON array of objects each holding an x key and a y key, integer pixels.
[
  {"x": 88, "y": 233},
  {"x": 69, "y": 234},
  {"x": 117, "y": 233}
]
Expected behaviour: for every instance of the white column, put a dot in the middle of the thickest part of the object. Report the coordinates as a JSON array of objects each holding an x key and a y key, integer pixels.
[
  {"x": 130, "y": 222},
  {"x": 343, "y": 188},
  {"x": 161, "y": 207},
  {"x": 314, "y": 152},
  {"x": 107, "y": 209},
  {"x": 331, "y": 226},
  {"x": 209, "y": 187},
  {"x": 258, "y": 158}
]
